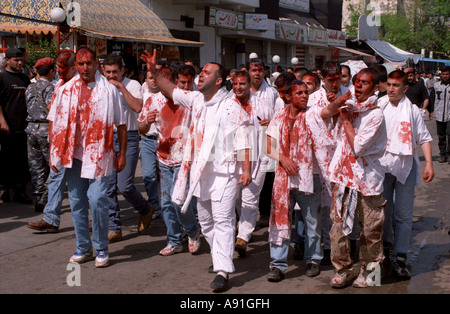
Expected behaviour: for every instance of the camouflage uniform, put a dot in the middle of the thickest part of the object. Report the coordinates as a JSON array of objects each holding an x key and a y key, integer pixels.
[{"x": 37, "y": 131}]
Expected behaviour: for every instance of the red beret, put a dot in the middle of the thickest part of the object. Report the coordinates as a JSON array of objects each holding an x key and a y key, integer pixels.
[{"x": 44, "y": 62}]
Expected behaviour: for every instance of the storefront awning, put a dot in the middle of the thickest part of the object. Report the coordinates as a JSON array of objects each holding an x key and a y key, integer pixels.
[
  {"x": 390, "y": 52},
  {"x": 125, "y": 21},
  {"x": 31, "y": 12},
  {"x": 353, "y": 51}
]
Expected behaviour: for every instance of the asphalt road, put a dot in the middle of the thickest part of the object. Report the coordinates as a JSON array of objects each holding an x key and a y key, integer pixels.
[{"x": 37, "y": 263}]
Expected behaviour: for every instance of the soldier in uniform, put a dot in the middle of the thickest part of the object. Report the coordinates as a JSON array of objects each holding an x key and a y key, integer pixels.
[{"x": 39, "y": 96}]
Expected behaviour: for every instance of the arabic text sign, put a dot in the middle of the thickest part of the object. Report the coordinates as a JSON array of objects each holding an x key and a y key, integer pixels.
[
  {"x": 225, "y": 19},
  {"x": 256, "y": 21},
  {"x": 295, "y": 33}
]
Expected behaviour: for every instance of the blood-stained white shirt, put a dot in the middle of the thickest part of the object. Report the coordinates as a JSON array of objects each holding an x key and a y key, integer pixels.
[
  {"x": 218, "y": 132},
  {"x": 83, "y": 118},
  {"x": 360, "y": 169},
  {"x": 405, "y": 127},
  {"x": 172, "y": 123}
]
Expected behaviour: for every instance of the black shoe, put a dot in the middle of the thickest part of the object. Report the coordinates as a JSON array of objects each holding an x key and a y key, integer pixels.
[
  {"x": 442, "y": 159},
  {"x": 400, "y": 269},
  {"x": 299, "y": 250},
  {"x": 312, "y": 270},
  {"x": 326, "y": 260},
  {"x": 211, "y": 269},
  {"x": 219, "y": 283},
  {"x": 275, "y": 275}
]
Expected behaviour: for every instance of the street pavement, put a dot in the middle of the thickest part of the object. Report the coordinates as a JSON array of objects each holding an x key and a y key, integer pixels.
[{"x": 37, "y": 263}]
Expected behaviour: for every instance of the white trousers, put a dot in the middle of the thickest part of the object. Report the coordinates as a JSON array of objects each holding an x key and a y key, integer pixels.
[
  {"x": 247, "y": 206},
  {"x": 217, "y": 220}
]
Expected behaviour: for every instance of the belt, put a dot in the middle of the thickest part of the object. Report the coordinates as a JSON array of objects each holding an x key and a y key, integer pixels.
[
  {"x": 41, "y": 122},
  {"x": 152, "y": 137}
]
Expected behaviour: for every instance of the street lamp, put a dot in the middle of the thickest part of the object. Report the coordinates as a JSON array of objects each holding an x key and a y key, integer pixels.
[
  {"x": 58, "y": 15},
  {"x": 253, "y": 55},
  {"x": 276, "y": 59}
]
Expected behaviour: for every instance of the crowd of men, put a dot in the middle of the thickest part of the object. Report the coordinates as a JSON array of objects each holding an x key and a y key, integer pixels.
[{"x": 326, "y": 157}]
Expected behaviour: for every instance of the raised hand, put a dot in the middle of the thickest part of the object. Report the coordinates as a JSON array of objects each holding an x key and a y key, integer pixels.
[{"x": 150, "y": 60}]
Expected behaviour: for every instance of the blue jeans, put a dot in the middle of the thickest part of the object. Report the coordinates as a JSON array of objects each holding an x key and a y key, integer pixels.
[
  {"x": 309, "y": 205},
  {"x": 56, "y": 188},
  {"x": 149, "y": 166},
  {"x": 173, "y": 218},
  {"x": 124, "y": 181},
  {"x": 85, "y": 194},
  {"x": 398, "y": 212}
]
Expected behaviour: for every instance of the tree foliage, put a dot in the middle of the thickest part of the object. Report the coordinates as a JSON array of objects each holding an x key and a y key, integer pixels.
[{"x": 423, "y": 24}]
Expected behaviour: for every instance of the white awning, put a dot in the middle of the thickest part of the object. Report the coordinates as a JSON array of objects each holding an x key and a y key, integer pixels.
[{"x": 390, "y": 52}]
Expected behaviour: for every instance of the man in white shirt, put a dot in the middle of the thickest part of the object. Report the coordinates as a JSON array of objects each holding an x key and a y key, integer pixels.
[
  {"x": 355, "y": 170},
  {"x": 405, "y": 129},
  {"x": 131, "y": 96},
  {"x": 212, "y": 160},
  {"x": 83, "y": 114},
  {"x": 260, "y": 116},
  {"x": 269, "y": 95},
  {"x": 149, "y": 162}
]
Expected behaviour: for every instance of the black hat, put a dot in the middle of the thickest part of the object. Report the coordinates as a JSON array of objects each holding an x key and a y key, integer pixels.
[{"x": 13, "y": 53}]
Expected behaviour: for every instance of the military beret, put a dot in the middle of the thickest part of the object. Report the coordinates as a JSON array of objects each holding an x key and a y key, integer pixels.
[
  {"x": 43, "y": 62},
  {"x": 13, "y": 53}
]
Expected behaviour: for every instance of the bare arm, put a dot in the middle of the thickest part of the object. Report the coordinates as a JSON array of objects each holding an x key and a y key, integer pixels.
[
  {"x": 123, "y": 139},
  {"x": 134, "y": 103},
  {"x": 428, "y": 172},
  {"x": 333, "y": 108}
]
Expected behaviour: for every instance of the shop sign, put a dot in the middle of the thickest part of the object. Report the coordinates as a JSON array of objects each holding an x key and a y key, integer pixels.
[
  {"x": 256, "y": 21},
  {"x": 297, "y": 5},
  {"x": 317, "y": 35},
  {"x": 336, "y": 38},
  {"x": 225, "y": 19},
  {"x": 294, "y": 33}
]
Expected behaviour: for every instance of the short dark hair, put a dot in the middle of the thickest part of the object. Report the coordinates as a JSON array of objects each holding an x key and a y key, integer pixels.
[
  {"x": 446, "y": 69},
  {"x": 374, "y": 73},
  {"x": 222, "y": 73},
  {"x": 381, "y": 70},
  {"x": 85, "y": 50},
  {"x": 45, "y": 69},
  {"x": 315, "y": 76},
  {"x": 256, "y": 62},
  {"x": 186, "y": 69},
  {"x": 291, "y": 84},
  {"x": 244, "y": 74},
  {"x": 284, "y": 78},
  {"x": 114, "y": 60},
  {"x": 331, "y": 68},
  {"x": 66, "y": 57},
  {"x": 399, "y": 75}
]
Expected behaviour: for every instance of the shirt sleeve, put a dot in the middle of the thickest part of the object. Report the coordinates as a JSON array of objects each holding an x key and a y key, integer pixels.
[
  {"x": 421, "y": 133},
  {"x": 183, "y": 97},
  {"x": 365, "y": 139},
  {"x": 119, "y": 113},
  {"x": 135, "y": 89}
]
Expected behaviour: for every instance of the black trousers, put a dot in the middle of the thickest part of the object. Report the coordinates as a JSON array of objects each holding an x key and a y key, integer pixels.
[{"x": 443, "y": 132}]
